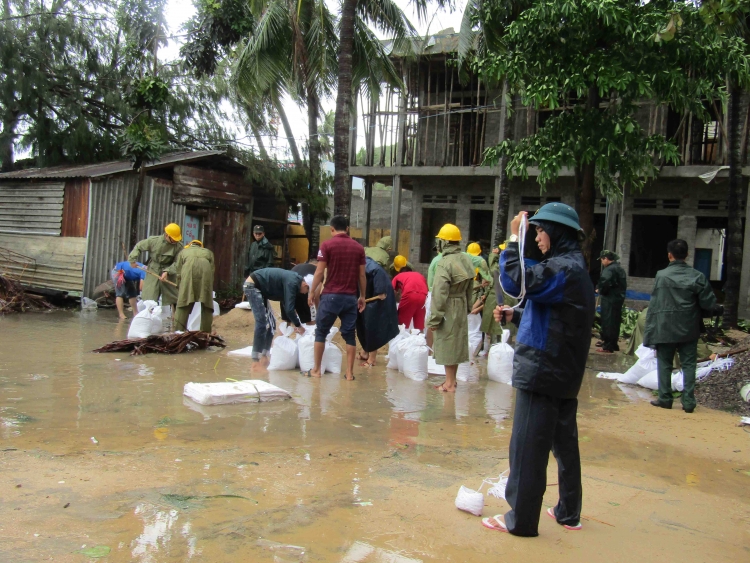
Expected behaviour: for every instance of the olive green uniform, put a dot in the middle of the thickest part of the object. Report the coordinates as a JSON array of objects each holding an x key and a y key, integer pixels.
[
  {"x": 195, "y": 275},
  {"x": 489, "y": 325},
  {"x": 612, "y": 286},
  {"x": 379, "y": 252},
  {"x": 636, "y": 339},
  {"x": 260, "y": 255},
  {"x": 680, "y": 299},
  {"x": 162, "y": 257},
  {"x": 452, "y": 289}
]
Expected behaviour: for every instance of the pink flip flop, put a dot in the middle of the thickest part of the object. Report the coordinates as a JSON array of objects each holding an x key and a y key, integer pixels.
[
  {"x": 551, "y": 514},
  {"x": 494, "y": 523}
]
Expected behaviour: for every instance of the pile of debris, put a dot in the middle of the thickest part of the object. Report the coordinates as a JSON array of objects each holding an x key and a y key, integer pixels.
[
  {"x": 13, "y": 298},
  {"x": 172, "y": 343},
  {"x": 721, "y": 389}
]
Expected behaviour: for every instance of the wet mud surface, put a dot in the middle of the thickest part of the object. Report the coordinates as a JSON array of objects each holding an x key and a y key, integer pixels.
[{"x": 101, "y": 458}]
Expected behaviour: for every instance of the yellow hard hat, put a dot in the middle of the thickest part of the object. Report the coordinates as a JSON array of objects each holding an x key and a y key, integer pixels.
[
  {"x": 474, "y": 249},
  {"x": 502, "y": 246},
  {"x": 399, "y": 262},
  {"x": 450, "y": 233},
  {"x": 192, "y": 242},
  {"x": 174, "y": 232}
]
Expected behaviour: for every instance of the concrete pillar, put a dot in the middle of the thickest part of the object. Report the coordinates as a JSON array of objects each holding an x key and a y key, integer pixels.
[
  {"x": 610, "y": 235},
  {"x": 395, "y": 210},
  {"x": 625, "y": 233},
  {"x": 368, "y": 210},
  {"x": 415, "y": 244},
  {"x": 463, "y": 217},
  {"x": 687, "y": 226}
]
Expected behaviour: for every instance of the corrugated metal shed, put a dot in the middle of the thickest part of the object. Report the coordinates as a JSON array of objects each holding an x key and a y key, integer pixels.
[
  {"x": 44, "y": 261},
  {"x": 31, "y": 209},
  {"x": 109, "y": 221},
  {"x": 115, "y": 167}
]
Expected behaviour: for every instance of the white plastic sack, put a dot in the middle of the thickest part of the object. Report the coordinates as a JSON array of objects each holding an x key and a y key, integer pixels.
[
  {"x": 475, "y": 332},
  {"x": 243, "y": 305},
  {"x": 194, "y": 320},
  {"x": 403, "y": 345},
  {"x": 306, "y": 347},
  {"x": 333, "y": 357},
  {"x": 246, "y": 352},
  {"x": 434, "y": 368},
  {"x": 646, "y": 364},
  {"x": 217, "y": 309},
  {"x": 500, "y": 360},
  {"x": 87, "y": 303},
  {"x": 650, "y": 380},
  {"x": 427, "y": 303},
  {"x": 393, "y": 346},
  {"x": 141, "y": 304},
  {"x": 147, "y": 322},
  {"x": 470, "y": 501},
  {"x": 227, "y": 392},
  {"x": 467, "y": 372},
  {"x": 284, "y": 354},
  {"x": 416, "y": 358}
]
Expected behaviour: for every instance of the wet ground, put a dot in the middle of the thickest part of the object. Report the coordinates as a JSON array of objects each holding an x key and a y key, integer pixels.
[{"x": 101, "y": 456}]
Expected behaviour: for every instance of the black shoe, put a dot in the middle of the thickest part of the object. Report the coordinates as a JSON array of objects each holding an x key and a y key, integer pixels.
[
  {"x": 688, "y": 411},
  {"x": 658, "y": 403}
]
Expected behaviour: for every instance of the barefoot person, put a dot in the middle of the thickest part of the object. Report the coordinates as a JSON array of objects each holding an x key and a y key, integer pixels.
[
  {"x": 272, "y": 284},
  {"x": 452, "y": 288},
  {"x": 163, "y": 251},
  {"x": 550, "y": 357},
  {"x": 344, "y": 259},
  {"x": 128, "y": 283},
  {"x": 195, "y": 276},
  {"x": 378, "y": 323}
]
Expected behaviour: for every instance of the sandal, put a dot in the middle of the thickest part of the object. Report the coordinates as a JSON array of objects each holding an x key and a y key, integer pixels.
[
  {"x": 366, "y": 365},
  {"x": 574, "y": 527},
  {"x": 494, "y": 523},
  {"x": 347, "y": 379},
  {"x": 307, "y": 373},
  {"x": 603, "y": 351},
  {"x": 442, "y": 388}
]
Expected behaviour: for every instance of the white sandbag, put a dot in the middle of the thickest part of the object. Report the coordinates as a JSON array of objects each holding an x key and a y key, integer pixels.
[
  {"x": 470, "y": 501},
  {"x": 306, "y": 347},
  {"x": 467, "y": 371},
  {"x": 246, "y": 352},
  {"x": 405, "y": 344},
  {"x": 646, "y": 364},
  {"x": 217, "y": 309},
  {"x": 147, "y": 322},
  {"x": 227, "y": 392},
  {"x": 87, "y": 303},
  {"x": 475, "y": 332},
  {"x": 194, "y": 320},
  {"x": 141, "y": 305},
  {"x": 702, "y": 371},
  {"x": 284, "y": 353},
  {"x": 609, "y": 375},
  {"x": 243, "y": 305},
  {"x": 427, "y": 303},
  {"x": 333, "y": 356},
  {"x": 745, "y": 393},
  {"x": 650, "y": 380},
  {"x": 393, "y": 347},
  {"x": 434, "y": 368},
  {"x": 500, "y": 360},
  {"x": 416, "y": 358}
]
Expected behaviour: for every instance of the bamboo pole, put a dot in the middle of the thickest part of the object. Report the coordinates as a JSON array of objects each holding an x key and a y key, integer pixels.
[
  {"x": 448, "y": 102},
  {"x": 157, "y": 276},
  {"x": 427, "y": 116}
]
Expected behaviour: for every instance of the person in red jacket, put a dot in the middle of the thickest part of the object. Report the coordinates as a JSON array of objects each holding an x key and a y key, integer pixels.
[{"x": 413, "y": 289}]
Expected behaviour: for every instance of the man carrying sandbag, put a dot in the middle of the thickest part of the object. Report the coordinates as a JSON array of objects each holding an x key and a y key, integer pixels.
[
  {"x": 548, "y": 365},
  {"x": 195, "y": 276},
  {"x": 680, "y": 299},
  {"x": 272, "y": 284},
  {"x": 452, "y": 289},
  {"x": 163, "y": 251}
]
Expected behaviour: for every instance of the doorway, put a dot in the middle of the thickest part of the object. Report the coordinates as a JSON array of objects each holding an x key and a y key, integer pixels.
[
  {"x": 480, "y": 227},
  {"x": 432, "y": 219},
  {"x": 648, "y": 244}
]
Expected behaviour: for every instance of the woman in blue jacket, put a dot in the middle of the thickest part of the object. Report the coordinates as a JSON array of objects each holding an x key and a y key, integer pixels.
[{"x": 553, "y": 341}]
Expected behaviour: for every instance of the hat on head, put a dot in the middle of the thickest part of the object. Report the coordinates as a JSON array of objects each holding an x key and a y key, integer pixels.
[
  {"x": 502, "y": 246},
  {"x": 308, "y": 279},
  {"x": 474, "y": 249},
  {"x": 399, "y": 262},
  {"x": 258, "y": 229},
  {"x": 609, "y": 255},
  {"x": 557, "y": 213}
]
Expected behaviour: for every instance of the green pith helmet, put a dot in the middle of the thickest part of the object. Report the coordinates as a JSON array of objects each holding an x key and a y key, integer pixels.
[{"x": 557, "y": 213}]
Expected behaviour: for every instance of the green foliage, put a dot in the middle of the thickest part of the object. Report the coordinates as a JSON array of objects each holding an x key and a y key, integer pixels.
[
  {"x": 148, "y": 93},
  {"x": 628, "y": 322},
  {"x": 142, "y": 143},
  {"x": 555, "y": 53},
  {"x": 743, "y": 325}
]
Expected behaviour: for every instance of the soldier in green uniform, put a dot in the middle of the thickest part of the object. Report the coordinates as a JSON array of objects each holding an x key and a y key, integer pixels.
[
  {"x": 195, "y": 276},
  {"x": 680, "y": 299},
  {"x": 611, "y": 289},
  {"x": 380, "y": 251},
  {"x": 452, "y": 289},
  {"x": 261, "y": 253},
  {"x": 162, "y": 256}
]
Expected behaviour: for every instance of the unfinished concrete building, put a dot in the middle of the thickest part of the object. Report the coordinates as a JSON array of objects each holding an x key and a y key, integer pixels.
[{"x": 430, "y": 139}]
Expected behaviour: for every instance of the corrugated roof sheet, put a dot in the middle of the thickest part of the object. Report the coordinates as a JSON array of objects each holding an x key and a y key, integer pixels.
[
  {"x": 442, "y": 42},
  {"x": 108, "y": 168}
]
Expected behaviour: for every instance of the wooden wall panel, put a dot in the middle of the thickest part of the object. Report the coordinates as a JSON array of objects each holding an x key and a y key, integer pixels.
[{"x": 75, "y": 219}]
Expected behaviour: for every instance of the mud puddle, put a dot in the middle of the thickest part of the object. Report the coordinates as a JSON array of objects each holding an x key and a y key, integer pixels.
[{"x": 103, "y": 459}]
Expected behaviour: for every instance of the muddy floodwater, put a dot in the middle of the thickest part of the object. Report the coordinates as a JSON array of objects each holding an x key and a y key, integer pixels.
[{"x": 103, "y": 460}]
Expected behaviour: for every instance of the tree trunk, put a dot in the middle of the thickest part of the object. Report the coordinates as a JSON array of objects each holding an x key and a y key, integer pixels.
[
  {"x": 259, "y": 140},
  {"x": 289, "y": 134},
  {"x": 502, "y": 194},
  {"x": 586, "y": 189},
  {"x": 7, "y": 140},
  {"x": 342, "y": 186},
  {"x": 313, "y": 109},
  {"x": 734, "y": 221},
  {"x": 136, "y": 206}
]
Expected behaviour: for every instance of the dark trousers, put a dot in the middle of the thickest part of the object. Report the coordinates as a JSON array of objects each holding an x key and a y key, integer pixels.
[
  {"x": 611, "y": 319},
  {"x": 688, "y": 352},
  {"x": 542, "y": 424},
  {"x": 263, "y": 337}
]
